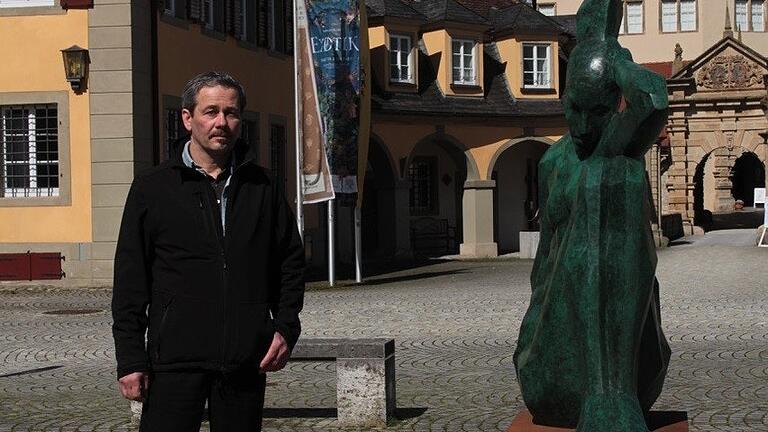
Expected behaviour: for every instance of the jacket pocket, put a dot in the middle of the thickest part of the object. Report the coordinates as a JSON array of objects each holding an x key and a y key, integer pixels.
[
  {"x": 188, "y": 333},
  {"x": 253, "y": 331},
  {"x": 166, "y": 306}
]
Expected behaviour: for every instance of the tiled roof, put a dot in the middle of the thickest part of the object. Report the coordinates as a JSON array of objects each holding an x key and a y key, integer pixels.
[
  {"x": 568, "y": 23},
  {"x": 663, "y": 68},
  {"x": 393, "y": 8},
  {"x": 523, "y": 19},
  {"x": 446, "y": 10},
  {"x": 484, "y": 7}
]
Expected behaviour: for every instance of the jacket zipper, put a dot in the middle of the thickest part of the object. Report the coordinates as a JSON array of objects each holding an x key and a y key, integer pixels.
[
  {"x": 222, "y": 249},
  {"x": 225, "y": 270},
  {"x": 215, "y": 218}
]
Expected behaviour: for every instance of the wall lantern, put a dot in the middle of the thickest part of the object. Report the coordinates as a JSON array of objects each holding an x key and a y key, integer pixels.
[{"x": 76, "y": 62}]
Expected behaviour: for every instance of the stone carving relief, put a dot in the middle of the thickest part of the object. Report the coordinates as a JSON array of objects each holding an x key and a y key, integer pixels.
[{"x": 730, "y": 72}]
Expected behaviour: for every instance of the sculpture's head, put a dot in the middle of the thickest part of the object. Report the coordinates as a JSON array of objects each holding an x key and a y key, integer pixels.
[{"x": 592, "y": 96}]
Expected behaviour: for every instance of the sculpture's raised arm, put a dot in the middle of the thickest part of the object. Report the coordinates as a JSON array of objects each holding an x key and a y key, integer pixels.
[
  {"x": 598, "y": 19},
  {"x": 632, "y": 132}
]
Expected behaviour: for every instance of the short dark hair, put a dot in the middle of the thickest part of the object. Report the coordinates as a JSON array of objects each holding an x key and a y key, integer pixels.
[{"x": 210, "y": 79}]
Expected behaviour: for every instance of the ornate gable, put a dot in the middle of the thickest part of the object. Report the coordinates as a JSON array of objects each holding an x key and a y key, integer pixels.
[{"x": 727, "y": 65}]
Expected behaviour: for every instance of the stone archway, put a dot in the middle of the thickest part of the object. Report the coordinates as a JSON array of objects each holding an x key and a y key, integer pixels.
[
  {"x": 722, "y": 176},
  {"x": 378, "y": 213},
  {"x": 514, "y": 168},
  {"x": 748, "y": 173},
  {"x": 436, "y": 171}
]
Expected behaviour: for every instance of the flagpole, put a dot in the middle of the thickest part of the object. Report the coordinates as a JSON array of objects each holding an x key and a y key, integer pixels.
[
  {"x": 297, "y": 125},
  {"x": 331, "y": 245},
  {"x": 358, "y": 247}
]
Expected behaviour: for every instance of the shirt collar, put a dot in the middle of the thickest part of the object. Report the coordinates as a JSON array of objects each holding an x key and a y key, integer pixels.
[{"x": 186, "y": 157}]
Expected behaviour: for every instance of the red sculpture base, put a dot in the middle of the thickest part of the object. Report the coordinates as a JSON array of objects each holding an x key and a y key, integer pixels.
[{"x": 658, "y": 421}]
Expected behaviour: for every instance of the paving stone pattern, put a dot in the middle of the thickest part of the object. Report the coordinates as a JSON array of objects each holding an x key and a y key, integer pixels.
[{"x": 455, "y": 325}]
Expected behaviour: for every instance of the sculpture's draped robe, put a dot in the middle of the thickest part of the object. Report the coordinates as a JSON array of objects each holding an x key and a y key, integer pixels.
[{"x": 592, "y": 327}]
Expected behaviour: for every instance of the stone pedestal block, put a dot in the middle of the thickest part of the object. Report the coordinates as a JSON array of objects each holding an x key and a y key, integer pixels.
[
  {"x": 365, "y": 391},
  {"x": 478, "y": 250},
  {"x": 529, "y": 244},
  {"x": 658, "y": 421},
  {"x": 477, "y": 208}
]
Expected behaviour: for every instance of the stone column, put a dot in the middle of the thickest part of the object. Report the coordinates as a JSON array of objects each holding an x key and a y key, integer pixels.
[
  {"x": 401, "y": 210},
  {"x": 478, "y": 219},
  {"x": 121, "y": 117},
  {"x": 723, "y": 159}
]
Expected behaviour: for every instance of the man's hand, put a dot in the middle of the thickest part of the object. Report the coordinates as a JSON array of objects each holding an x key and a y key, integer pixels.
[
  {"x": 134, "y": 386},
  {"x": 277, "y": 356}
]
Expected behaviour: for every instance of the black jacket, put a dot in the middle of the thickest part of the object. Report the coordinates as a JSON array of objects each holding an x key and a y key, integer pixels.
[{"x": 214, "y": 301}]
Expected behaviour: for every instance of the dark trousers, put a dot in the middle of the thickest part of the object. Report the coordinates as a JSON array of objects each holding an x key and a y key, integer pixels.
[{"x": 176, "y": 401}]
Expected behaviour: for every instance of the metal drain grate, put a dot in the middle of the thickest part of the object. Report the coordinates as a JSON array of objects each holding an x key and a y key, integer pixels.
[{"x": 72, "y": 311}]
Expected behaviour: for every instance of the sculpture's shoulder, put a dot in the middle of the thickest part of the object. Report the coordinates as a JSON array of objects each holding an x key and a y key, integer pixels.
[{"x": 558, "y": 157}]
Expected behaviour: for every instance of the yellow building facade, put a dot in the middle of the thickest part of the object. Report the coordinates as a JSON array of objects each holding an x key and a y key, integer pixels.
[
  {"x": 70, "y": 156},
  {"x": 456, "y": 132}
]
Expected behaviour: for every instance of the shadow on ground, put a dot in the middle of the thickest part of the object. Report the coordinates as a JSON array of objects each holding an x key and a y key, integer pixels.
[
  {"x": 749, "y": 217},
  {"x": 400, "y": 413},
  {"x": 371, "y": 268}
]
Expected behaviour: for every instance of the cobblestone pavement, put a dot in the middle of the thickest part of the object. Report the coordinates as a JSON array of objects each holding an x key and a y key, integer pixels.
[{"x": 455, "y": 325}]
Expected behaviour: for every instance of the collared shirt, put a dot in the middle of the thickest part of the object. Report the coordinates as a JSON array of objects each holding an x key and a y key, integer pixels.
[{"x": 220, "y": 185}]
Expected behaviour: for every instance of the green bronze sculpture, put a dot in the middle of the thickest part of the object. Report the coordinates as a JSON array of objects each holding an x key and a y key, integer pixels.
[{"x": 591, "y": 353}]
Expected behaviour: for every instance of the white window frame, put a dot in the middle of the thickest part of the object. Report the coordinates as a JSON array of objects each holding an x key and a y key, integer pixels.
[
  {"x": 627, "y": 5},
  {"x": 738, "y": 15},
  {"x": 675, "y": 22},
  {"x": 548, "y": 7},
  {"x": 695, "y": 15},
  {"x": 26, "y": 3},
  {"x": 535, "y": 61},
  {"x": 462, "y": 67},
  {"x": 400, "y": 38},
  {"x": 33, "y": 191},
  {"x": 748, "y": 16},
  {"x": 761, "y": 27}
]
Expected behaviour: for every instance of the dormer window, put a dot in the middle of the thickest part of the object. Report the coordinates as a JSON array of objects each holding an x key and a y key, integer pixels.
[
  {"x": 400, "y": 59},
  {"x": 463, "y": 55},
  {"x": 536, "y": 66}
]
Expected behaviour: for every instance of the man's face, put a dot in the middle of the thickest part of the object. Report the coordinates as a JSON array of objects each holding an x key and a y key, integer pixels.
[{"x": 215, "y": 123}]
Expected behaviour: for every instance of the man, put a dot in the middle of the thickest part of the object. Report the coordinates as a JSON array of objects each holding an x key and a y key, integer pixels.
[{"x": 210, "y": 265}]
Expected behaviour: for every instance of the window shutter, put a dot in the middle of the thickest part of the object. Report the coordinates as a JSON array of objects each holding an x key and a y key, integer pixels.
[
  {"x": 181, "y": 8},
  {"x": 194, "y": 10},
  {"x": 237, "y": 18},
  {"x": 278, "y": 22},
  {"x": 263, "y": 24},
  {"x": 220, "y": 12},
  {"x": 289, "y": 26}
]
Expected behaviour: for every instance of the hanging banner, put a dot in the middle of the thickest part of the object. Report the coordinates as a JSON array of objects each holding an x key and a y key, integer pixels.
[
  {"x": 329, "y": 49},
  {"x": 364, "y": 132}
]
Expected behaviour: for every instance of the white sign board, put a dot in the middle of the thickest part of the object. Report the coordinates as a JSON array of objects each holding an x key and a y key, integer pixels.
[{"x": 759, "y": 196}]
